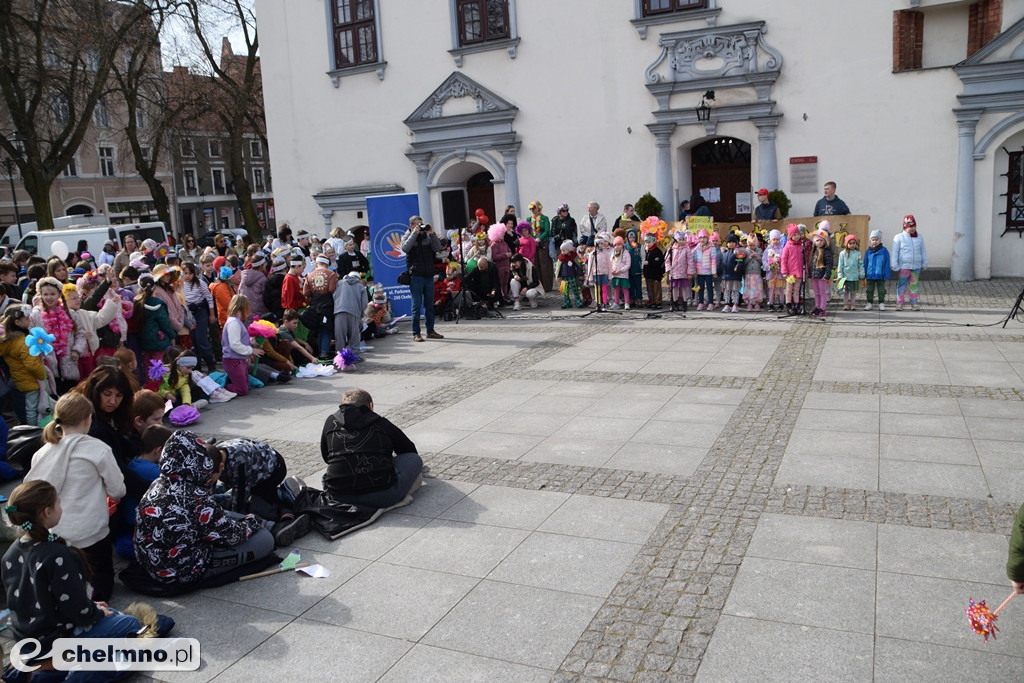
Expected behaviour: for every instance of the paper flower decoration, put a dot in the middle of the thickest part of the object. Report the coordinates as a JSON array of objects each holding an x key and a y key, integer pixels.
[
  {"x": 39, "y": 342},
  {"x": 157, "y": 370},
  {"x": 346, "y": 359},
  {"x": 790, "y": 279},
  {"x": 183, "y": 415},
  {"x": 162, "y": 251},
  {"x": 263, "y": 329}
]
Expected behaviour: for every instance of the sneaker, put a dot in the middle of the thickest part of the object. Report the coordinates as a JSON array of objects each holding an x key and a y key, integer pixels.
[
  {"x": 613, "y": 307},
  {"x": 881, "y": 307},
  {"x": 434, "y": 335},
  {"x": 868, "y": 307},
  {"x": 533, "y": 303},
  {"x": 626, "y": 307},
  {"x": 417, "y": 338},
  {"x": 287, "y": 532},
  {"x": 200, "y": 404},
  {"x": 516, "y": 306},
  {"x": 220, "y": 396},
  {"x": 915, "y": 307},
  {"x": 899, "y": 307},
  {"x": 284, "y": 377},
  {"x": 750, "y": 307},
  {"x": 293, "y": 486},
  {"x": 700, "y": 307},
  {"x": 565, "y": 305}
]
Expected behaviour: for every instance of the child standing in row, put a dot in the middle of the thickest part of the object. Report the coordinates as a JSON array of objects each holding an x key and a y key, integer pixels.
[
  {"x": 792, "y": 266},
  {"x": 850, "y": 269},
  {"x": 636, "y": 290},
  {"x": 819, "y": 270},
  {"x": 705, "y": 267},
  {"x": 773, "y": 271},
  {"x": 753, "y": 286},
  {"x": 570, "y": 271},
  {"x": 876, "y": 269},
  {"x": 620, "y": 263},
  {"x": 679, "y": 266},
  {"x": 732, "y": 270},
  {"x": 654, "y": 270}
]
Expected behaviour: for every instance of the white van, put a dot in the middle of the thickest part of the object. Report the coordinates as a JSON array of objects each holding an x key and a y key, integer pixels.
[
  {"x": 40, "y": 242},
  {"x": 15, "y": 232}
]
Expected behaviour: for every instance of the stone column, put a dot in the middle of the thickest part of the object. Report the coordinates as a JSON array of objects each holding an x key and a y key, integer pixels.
[
  {"x": 422, "y": 161},
  {"x": 510, "y": 157},
  {"x": 328, "y": 214},
  {"x": 963, "y": 218},
  {"x": 767, "y": 161},
  {"x": 663, "y": 185}
]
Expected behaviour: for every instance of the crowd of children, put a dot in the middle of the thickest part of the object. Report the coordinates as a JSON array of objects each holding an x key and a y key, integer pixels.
[{"x": 775, "y": 270}]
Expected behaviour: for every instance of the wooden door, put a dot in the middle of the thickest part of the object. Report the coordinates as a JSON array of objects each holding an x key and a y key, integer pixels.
[
  {"x": 480, "y": 193},
  {"x": 722, "y": 164}
]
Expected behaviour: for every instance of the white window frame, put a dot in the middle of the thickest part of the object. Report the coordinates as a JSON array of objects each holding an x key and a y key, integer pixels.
[
  {"x": 105, "y": 159},
  {"x": 71, "y": 170},
  {"x": 147, "y": 153},
  {"x": 101, "y": 114},
  {"x": 92, "y": 60},
  {"x": 256, "y": 149},
  {"x": 335, "y": 73},
  {"x": 141, "y": 116},
  {"x": 61, "y": 111},
  {"x": 191, "y": 189},
  {"x": 219, "y": 148},
  {"x": 214, "y": 173},
  {"x": 188, "y": 147},
  {"x": 258, "y": 180},
  {"x": 510, "y": 44}
]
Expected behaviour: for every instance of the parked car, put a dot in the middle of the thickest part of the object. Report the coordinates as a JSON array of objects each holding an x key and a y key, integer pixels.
[
  {"x": 41, "y": 242},
  {"x": 234, "y": 235}
]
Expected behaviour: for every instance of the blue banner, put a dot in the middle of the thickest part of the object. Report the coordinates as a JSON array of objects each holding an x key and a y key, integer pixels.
[{"x": 388, "y": 216}]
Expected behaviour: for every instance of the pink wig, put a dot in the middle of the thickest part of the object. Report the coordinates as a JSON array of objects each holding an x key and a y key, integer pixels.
[{"x": 496, "y": 232}]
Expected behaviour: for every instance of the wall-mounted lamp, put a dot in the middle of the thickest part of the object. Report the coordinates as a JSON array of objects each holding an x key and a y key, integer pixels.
[{"x": 704, "y": 111}]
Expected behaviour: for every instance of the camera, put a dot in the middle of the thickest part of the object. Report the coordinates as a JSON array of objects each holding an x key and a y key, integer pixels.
[{"x": 426, "y": 227}]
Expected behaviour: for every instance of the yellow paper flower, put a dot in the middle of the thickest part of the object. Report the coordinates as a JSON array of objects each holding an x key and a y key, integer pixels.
[{"x": 790, "y": 279}]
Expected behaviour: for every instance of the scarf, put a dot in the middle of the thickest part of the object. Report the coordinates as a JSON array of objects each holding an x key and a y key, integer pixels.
[
  {"x": 534, "y": 226},
  {"x": 57, "y": 322}
]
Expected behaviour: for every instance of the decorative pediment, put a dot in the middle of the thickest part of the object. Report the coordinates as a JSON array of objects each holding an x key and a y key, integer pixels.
[
  {"x": 714, "y": 53},
  {"x": 460, "y": 95},
  {"x": 993, "y": 77}
]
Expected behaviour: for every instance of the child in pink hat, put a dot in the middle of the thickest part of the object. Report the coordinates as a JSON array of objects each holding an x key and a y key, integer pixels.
[
  {"x": 620, "y": 263},
  {"x": 792, "y": 266},
  {"x": 705, "y": 268}
]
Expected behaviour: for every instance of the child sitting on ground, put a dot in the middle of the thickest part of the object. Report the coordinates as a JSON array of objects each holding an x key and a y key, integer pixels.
[
  {"x": 146, "y": 468},
  {"x": 299, "y": 351},
  {"x": 47, "y": 604},
  {"x": 177, "y": 386},
  {"x": 182, "y": 535},
  {"x": 377, "y": 313}
]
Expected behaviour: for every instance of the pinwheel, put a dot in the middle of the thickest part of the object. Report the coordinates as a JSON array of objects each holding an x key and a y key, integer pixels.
[{"x": 346, "y": 360}]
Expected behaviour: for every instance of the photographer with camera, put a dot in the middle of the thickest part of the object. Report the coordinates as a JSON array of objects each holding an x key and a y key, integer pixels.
[{"x": 420, "y": 244}]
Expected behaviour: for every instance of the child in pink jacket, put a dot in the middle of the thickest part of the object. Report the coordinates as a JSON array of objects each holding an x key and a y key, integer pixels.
[
  {"x": 792, "y": 265},
  {"x": 705, "y": 267},
  {"x": 679, "y": 268}
]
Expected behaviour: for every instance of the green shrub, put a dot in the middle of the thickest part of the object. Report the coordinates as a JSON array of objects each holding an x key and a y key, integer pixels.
[
  {"x": 648, "y": 206},
  {"x": 781, "y": 200}
]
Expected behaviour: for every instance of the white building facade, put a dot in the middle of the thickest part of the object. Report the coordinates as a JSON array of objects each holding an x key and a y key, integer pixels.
[{"x": 910, "y": 106}]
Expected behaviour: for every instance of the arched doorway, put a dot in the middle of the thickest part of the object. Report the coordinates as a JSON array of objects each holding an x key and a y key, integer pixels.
[
  {"x": 721, "y": 169},
  {"x": 79, "y": 210},
  {"x": 465, "y": 187}
]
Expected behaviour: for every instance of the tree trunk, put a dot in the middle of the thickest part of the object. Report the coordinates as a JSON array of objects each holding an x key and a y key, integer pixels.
[{"x": 38, "y": 187}]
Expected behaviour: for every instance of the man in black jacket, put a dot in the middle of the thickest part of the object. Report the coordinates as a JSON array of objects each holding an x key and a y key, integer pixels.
[
  {"x": 370, "y": 461},
  {"x": 420, "y": 243}
]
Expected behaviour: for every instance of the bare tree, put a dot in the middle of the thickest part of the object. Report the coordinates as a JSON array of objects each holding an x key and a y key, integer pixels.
[
  {"x": 234, "y": 94},
  {"x": 56, "y": 58},
  {"x": 154, "y": 105}
]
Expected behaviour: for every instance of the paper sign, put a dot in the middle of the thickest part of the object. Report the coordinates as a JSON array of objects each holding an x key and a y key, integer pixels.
[
  {"x": 742, "y": 203},
  {"x": 316, "y": 571},
  {"x": 712, "y": 195}
]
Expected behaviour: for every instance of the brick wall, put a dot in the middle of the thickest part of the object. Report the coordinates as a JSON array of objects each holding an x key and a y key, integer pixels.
[
  {"x": 907, "y": 39},
  {"x": 984, "y": 24}
]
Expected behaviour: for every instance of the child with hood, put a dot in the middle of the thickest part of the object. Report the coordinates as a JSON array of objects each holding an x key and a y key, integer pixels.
[
  {"x": 349, "y": 301},
  {"x": 636, "y": 267},
  {"x": 377, "y": 313},
  {"x": 599, "y": 268},
  {"x": 876, "y": 269},
  {"x": 570, "y": 272},
  {"x": 182, "y": 535}
]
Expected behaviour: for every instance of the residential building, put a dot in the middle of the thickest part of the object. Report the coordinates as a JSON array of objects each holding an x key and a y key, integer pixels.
[{"x": 911, "y": 106}]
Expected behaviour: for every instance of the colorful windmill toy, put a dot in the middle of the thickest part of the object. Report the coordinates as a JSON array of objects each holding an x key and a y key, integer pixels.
[{"x": 981, "y": 619}]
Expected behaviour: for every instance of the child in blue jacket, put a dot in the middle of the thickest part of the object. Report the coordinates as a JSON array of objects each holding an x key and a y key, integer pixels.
[{"x": 876, "y": 269}]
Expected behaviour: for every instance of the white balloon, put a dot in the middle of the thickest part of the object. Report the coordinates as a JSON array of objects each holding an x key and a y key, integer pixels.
[{"x": 59, "y": 249}]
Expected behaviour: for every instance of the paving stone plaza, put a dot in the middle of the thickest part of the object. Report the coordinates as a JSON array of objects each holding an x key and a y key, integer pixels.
[{"x": 715, "y": 498}]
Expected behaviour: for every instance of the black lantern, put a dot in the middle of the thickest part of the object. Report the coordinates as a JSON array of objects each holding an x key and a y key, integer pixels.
[{"x": 704, "y": 111}]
